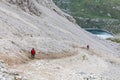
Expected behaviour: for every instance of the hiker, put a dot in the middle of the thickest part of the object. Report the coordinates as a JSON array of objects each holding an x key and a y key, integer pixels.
[
  {"x": 33, "y": 52},
  {"x": 88, "y": 46}
]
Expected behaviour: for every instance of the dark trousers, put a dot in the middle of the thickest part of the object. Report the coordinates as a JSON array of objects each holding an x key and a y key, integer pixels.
[{"x": 32, "y": 55}]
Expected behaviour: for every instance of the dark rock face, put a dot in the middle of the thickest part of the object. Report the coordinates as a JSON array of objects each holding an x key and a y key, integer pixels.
[{"x": 93, "y": 14}]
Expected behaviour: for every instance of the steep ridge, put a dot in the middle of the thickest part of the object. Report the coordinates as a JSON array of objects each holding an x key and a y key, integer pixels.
[{"x": 25, "y": 24}]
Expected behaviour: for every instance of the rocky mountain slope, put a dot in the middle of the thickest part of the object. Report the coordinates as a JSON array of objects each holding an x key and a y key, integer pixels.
[
  {"x": 101, "y": 14},
  {"x": 25, "y": 24}
]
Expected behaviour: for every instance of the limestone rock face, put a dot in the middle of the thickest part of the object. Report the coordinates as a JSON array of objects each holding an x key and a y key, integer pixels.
[
  {"x": 39, "y": 24},
  {"x": 25, "y": 24},
  {"x": 33, "y": 6}
]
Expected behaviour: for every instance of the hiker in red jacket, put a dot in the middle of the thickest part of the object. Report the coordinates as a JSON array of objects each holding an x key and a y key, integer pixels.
[{"x": 33, "y": 52}]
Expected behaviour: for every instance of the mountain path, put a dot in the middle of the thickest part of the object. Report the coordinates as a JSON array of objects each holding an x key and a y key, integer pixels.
[{"x": 67, "y": 68}]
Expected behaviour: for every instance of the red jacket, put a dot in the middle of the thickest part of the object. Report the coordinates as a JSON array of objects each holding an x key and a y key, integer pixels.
[{"x": 33, "y": 51}]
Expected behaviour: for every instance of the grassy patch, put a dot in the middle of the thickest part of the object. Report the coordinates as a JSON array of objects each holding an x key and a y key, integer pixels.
[{"x": 114, "y": 40}]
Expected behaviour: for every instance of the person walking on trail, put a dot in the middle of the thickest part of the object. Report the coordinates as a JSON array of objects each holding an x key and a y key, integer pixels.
[
  {"x": 33, "y": 52},
  {"x": 88, "y": 46}
]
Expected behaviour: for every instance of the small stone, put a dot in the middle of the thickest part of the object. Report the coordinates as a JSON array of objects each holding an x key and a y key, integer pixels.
[
  {"x": 2, "y": 77},
  {"x": 17, "y": 78}
]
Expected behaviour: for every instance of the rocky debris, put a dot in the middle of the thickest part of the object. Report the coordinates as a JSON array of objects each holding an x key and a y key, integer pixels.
[
  {"x": 19, "y": 78},
  {"x": 33, "y": 7},
  {"x": 25, "y": 24},
  {"x": 4, "y": 72},
  {"x": 7, "y": 74},
  {"x": 91, "y": 76},
  {"x": 27, "y": 6}
]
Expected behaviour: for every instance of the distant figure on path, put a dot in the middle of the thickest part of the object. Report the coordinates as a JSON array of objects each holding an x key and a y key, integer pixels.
[
  {"x": 88, "y": 46},
  {"x": 33, "y": 52}
]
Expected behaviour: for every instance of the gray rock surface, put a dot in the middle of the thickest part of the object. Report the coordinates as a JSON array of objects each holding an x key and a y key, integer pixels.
[{"x": 25, "y": 24}]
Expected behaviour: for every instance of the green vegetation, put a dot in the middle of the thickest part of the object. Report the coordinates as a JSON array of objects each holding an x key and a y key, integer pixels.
[
  {"x": 114, "y": 40},
  {"x": 103, "y": 14},
  {"x": 91, "y": 8},
  {"x": 84, "y": 57}
]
